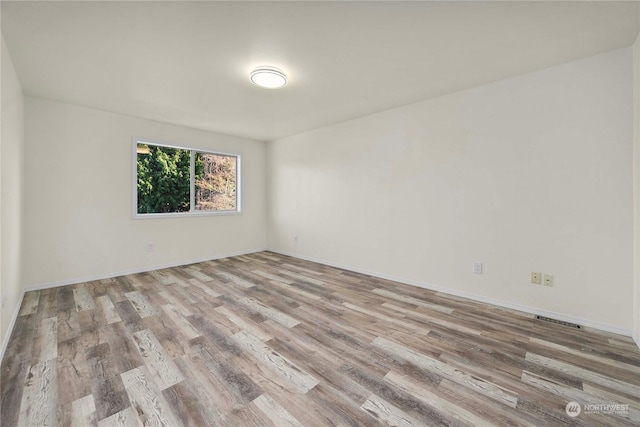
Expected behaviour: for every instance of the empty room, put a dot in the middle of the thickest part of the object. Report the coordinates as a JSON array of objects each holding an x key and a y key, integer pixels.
[{"x": 332, "y": 213}]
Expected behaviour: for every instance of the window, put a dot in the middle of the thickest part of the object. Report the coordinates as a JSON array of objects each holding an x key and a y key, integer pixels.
[{"x": 173, "y": 181}]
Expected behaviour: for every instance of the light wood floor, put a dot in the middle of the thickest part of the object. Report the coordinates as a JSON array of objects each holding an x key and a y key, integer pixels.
[{"x": 268, "y": 340}]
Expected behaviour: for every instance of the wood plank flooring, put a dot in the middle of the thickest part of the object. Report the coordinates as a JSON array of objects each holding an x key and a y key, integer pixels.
[{"x": 269, "y": 340}]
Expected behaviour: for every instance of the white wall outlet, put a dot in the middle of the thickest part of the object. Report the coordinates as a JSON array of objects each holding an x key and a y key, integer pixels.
[
  {"x": 151, "y": 247},
  {"x": 295, "y": 239},
  {"x": 548, "y": 279},
  {"x": 477, "y": 268},
  {"x": 536, "y": 278}
]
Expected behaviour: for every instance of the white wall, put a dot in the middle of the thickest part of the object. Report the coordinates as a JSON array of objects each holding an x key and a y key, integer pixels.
[
  {"x": 78, "y": 197},
  {"x": 11, "y": 177},
  {"x": 532, "y": 173},
  {"x": 636, "y": 189}
]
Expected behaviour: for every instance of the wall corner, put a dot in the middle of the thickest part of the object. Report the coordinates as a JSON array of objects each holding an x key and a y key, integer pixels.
[{"x": 636, "y": 190}]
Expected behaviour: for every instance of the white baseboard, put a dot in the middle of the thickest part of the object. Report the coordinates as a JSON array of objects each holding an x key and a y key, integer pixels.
[
  {"x": 12, "y": 323},
  {"x": 500, "y": 303},
  {"x": 134, "y": 271}
]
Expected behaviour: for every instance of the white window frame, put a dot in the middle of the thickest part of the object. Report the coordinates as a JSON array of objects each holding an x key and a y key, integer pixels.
[{"x": 191, "y": 212}]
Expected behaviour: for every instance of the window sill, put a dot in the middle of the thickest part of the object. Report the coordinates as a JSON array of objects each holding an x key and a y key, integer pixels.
[{"x": 185, "y": 214}]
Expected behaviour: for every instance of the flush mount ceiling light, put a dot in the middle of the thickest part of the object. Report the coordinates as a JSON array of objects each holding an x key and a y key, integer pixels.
[{"x": 268, "y": 77}]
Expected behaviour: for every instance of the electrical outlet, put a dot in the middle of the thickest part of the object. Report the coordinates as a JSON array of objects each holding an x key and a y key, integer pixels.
[
  {"x": 477, "y": 268},
  {"x": 151, "y": 247},
  {"x": 536, "y": 278},
  {"x": 295, "y": 239},
  {"x": 548, "y": 279}
]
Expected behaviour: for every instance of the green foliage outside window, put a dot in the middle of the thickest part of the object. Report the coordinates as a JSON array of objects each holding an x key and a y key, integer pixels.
[{"x": 164, "y": 185}]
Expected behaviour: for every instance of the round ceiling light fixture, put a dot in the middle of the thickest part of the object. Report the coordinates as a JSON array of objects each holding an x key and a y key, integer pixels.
[{"x": 268, "y": 77}]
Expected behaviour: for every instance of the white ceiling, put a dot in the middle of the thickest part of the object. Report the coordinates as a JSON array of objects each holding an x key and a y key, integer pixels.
[{"x": 188, "y": 62}]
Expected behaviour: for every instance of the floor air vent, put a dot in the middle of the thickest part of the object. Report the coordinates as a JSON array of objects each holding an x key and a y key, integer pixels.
[{"x": 559, "y": 322}]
